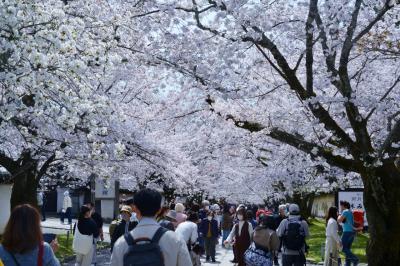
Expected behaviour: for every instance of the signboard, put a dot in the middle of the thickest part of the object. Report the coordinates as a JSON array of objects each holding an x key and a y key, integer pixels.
[
  {"x": 355, "y": 198},
  {"x": 104, "y": 189}
]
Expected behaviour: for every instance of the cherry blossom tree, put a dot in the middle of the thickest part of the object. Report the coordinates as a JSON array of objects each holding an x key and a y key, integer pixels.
[{"x": 315, "y": 76}]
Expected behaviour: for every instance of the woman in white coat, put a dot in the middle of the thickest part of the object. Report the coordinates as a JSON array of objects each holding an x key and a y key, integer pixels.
[{"x": 332, "y": 242}]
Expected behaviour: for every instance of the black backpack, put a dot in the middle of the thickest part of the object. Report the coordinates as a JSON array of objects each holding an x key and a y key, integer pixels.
[
  {"x": 294, "y": 236},
  {"x": 148, "y": 254}
]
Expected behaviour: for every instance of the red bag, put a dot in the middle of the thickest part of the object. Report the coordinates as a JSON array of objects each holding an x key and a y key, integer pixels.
[{"x": 358, "y": 217}]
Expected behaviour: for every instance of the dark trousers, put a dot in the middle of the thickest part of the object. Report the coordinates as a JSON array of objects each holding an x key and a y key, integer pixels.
[
  {"x": 210, "y": 243},
  {"x": 293, "y": 260},
  {"x": 67, "y": 215},
  {"x": 43, "y": 212},
  {"x": 347, "y": 241}
]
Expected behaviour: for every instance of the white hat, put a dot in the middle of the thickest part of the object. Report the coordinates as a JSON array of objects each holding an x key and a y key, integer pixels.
[
  {"x": 282, "y": 207},
  {"x": 241, "y": 206},
  {"x": 215, "y": 207}
]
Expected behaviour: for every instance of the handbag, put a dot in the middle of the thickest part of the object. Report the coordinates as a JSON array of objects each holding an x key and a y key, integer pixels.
[
  {"x": 257, "y": 257},
  {"x": 82, "y": 243}
]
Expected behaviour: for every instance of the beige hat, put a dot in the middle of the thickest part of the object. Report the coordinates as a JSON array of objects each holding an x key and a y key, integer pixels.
[
  {"x": 126, "y": 208},
  {"x": 171, "y": 215},
  {"x": 179, "y": 207}
]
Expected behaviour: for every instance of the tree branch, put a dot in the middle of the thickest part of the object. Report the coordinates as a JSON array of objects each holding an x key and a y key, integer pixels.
[
  {"x": 299, "y": 143},
  {"x": 380, "y": 15},
  {"x": 45, "y": 166},
  {"x": 316, "y": 108},
  {"x": 393, "y": 137},
  {"x": 9, "y": 164},
  {"x": 309, "y": 46},
  {"x": 384, "y": 97}
]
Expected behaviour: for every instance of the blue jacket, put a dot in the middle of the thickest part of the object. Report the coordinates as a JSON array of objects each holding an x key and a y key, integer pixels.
[
  {"x": 30, "y": 258},
  {"x": 214, "y": 227}
]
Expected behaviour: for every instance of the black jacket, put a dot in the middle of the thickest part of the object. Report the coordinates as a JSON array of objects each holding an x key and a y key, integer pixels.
[
  {"x": 120, "y": 231},
  {"x": 87, "y": 226}
]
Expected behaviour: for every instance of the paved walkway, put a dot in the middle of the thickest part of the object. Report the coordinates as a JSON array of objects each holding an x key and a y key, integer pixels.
[{"x": 223, "y": 258}]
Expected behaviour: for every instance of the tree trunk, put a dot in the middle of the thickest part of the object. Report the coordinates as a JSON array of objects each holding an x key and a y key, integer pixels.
[
  {"x": 305, "y": 202},
  {"x": 382, "y": 204},
  {"x": 25, "y": 187}
]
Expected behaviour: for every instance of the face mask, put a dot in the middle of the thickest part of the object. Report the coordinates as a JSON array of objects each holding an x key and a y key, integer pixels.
[
  {"x": 240, "y": 217},
  {"x": 209, "y": 218}
]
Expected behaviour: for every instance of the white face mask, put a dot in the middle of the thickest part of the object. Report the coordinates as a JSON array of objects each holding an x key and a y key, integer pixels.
[
  {"x": 209, "y": 218},
  {"x": 240, "y": 217}
]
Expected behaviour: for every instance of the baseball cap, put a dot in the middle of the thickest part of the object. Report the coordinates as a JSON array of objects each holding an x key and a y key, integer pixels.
[{"x": 294, "y": 209}]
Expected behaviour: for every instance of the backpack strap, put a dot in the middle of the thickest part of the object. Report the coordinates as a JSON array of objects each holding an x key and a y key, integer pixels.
[
  {"x": 159, "y": 233},
  {"x": 129, "y": 239},
  {"x": 40, "y": 254}
]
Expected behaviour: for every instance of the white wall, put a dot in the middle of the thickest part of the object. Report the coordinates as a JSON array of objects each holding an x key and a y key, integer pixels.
[
  {"x": 5, "y": 196},
  {"x": 107, "y": 208}
]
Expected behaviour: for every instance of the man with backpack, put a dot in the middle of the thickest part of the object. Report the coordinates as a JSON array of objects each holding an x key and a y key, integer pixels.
[
  {"x": 292, "y": 231},
  {"x": 149, "y": 243}
]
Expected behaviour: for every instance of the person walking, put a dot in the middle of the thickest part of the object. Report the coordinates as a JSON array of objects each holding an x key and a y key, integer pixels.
[
  {"x": 293, "y": 232},
  {"x": 147, "y": 203},
  {"x": 180, "y": 215},
  {"x": 216, "y": 209},
  {"x": 124, "y": 225},
  {"x": 281, "y": 214},
  {"x": 40, "y": 201},
  {"x": 265, "y": 243},
  {"x": 241, "y": 236},
  {"x": 129, "y": 202},
  {"x": 84, "y": 231},
  {"x": 346, "y": 217},
  {"x": 22, "y": 241},
  {"x": 66, "y": 211},
  {"x": 226, "y": 223},
  {"x": 209, "y": 231},
  {"x": 261, "y": 210},
  {"x": 203, "y": 215},
  {"x": 188, "y": 232},
  {"x": 204, "y": 210},
  {"x": 169, "y": 220},
  {"x": 249, "y": 215},
  {"x": 333, "y": 241},
  {"x": 99, "y": 235}
]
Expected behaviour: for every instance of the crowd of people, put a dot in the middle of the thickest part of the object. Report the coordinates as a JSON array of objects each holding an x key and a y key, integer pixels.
[
  {"x": 185, "y": 233},
  {"x": 150, "y": 233}
]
